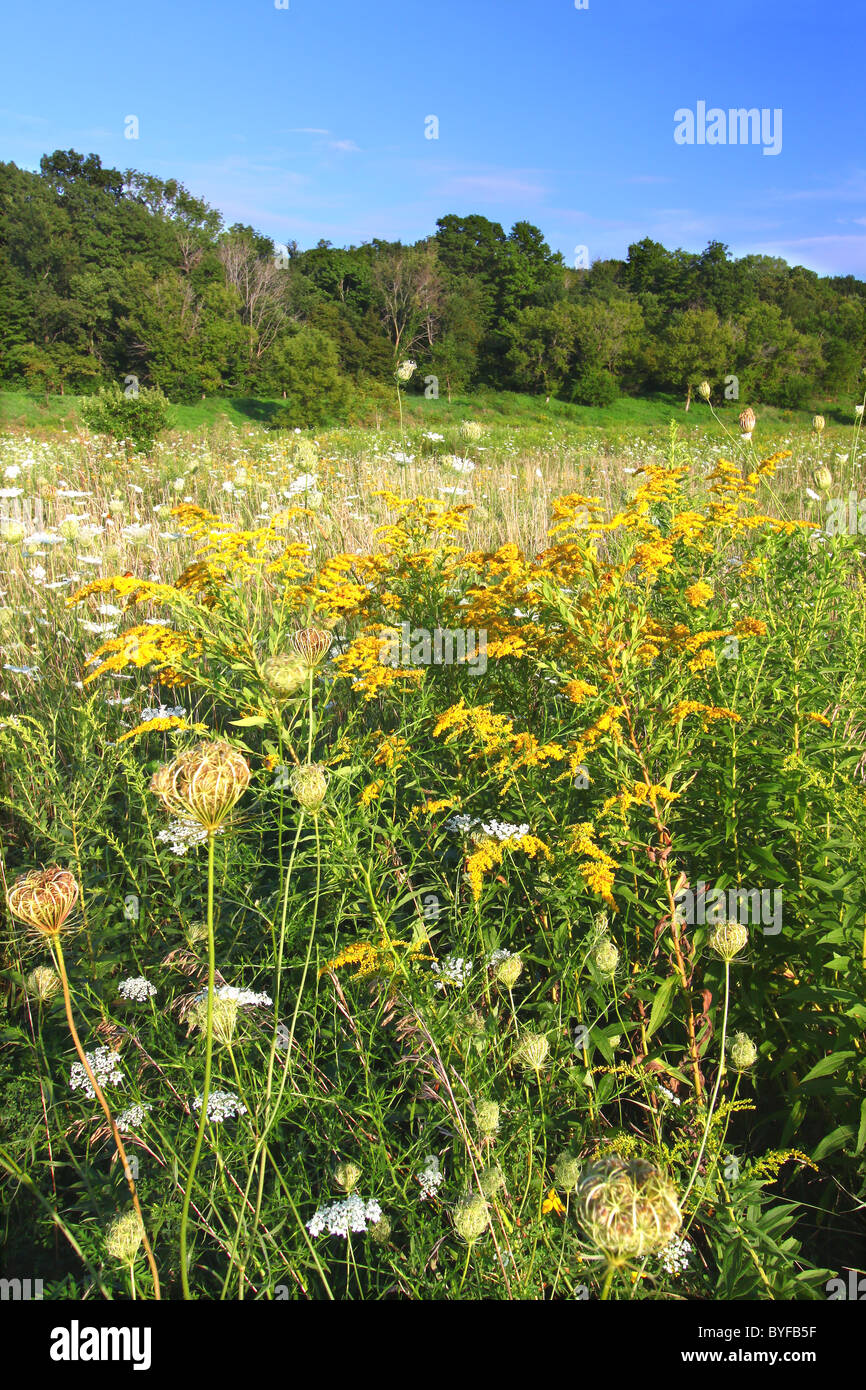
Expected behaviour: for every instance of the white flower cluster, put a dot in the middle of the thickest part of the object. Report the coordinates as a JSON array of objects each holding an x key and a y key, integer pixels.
[
  {"x": 453, "y": 970},
  {"x": 103, "y": 1063},
  {"x": 221, "y": 1105},
  {"x": 242, "y": 997},
  {"x": 675, "y": 1256},
  {"x": 163, "y": 712},
  {"x": 405, "y": 370},
  {"x": 136, "y": 987},
  {"x": 669, "y": 1095},
  {"x": 351, "y": 1213},
  {"x": 430, "y": 1178},
  {"x": 498, "y": 956},
  {"x": 497, "y": 829},
  {"x": 133, "y": 1118},
  {"x": 306, "y": 485},
  {"x": 182, "y": 835}
]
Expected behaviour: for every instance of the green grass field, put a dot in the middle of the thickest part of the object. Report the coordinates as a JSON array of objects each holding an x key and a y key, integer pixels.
[{"x": 496, "y": 410}]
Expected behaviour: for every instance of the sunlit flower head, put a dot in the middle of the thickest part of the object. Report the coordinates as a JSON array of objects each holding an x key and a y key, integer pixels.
[
  {"x": 728, "y": 939},
  {"x": 627, "y": 1207},
  {"x": 312, "y": 645},
  {"x": 43, "y": 900},
  {"x": 124, "y": 1236},
  {"x": 471, "y": 1217},
  {"x": 203, "y": 783},
  {"x": 532, "y": 1051},
  {"x": 309, "y": 784},
  {"x": 743, "y": 1052},
  {"x": 43, "y": 983},
  {"x": 347, "y": 1175},
  {"x": 284, "y": 675}
]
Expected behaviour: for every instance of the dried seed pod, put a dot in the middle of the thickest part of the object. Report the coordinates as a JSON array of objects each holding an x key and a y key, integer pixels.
[
  {"x": 43, "y": 900},
  {"x": 203, "y": 783}
]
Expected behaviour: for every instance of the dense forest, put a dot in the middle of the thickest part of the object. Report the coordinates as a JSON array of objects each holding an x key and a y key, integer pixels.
[{"x": 106, "y": 273}]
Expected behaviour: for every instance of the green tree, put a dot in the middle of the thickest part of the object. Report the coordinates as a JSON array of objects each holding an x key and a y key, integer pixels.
[
  {"x": 308, "y": 366},
  {"x": 136, "y": 416}
]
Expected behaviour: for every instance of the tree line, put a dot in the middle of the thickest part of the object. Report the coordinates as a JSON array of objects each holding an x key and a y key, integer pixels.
[{"x": 107, "y": 273}]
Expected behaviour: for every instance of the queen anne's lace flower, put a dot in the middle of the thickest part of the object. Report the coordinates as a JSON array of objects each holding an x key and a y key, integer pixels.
[
  {"x": 352, "y": 1213},
  {"x": 496, "y": 829},
  {"x": 221, "y": 1105},
  {"x": 103, "y": 1064},
  {"x": 133, "y": 1118},
  {"x": 241, "y": 997},
  {"x": 675, "y": 1255},
  {"x": 430, "y": 1178},
  {"x": 136, "y": 987},
  {"x": 182, "y": 836},
  {"x": 453, "y": 970}
]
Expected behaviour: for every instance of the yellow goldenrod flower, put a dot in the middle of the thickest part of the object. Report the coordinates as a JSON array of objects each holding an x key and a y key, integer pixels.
[
  {"x": 159, "y": 725},
  {"x": 698, "y": 594}
]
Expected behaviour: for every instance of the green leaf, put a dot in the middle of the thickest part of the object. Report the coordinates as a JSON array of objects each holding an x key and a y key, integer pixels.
[
  {"x": 253, "y": 721},
  {"x": 833, "y": 1141},
  {"x": 832, "y": 1062},
  {"x": 661, "y": 1005}
]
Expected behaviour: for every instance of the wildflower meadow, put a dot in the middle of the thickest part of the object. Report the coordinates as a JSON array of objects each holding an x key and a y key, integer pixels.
[{"x": 432, "y": 860}]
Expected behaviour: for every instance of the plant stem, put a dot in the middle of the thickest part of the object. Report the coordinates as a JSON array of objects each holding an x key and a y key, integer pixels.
[
  {"x": 719, "y": 1076},
  {"x": 121, "y": 1152},
  {"x": 211, "y": 970}
]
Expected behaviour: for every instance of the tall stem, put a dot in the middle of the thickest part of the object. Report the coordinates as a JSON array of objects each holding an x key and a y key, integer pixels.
[
  {"x": 121, "y": 1152},
  {"x": 719, "y": 1076},
  {"x": 211, "y": 971}
]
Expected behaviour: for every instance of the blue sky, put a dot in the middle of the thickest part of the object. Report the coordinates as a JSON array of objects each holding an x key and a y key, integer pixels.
[{"x": 309, "y": 121}]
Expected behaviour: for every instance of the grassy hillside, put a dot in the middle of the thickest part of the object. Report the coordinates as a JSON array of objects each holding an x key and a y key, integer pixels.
[{"x": 19, "y": 409}]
